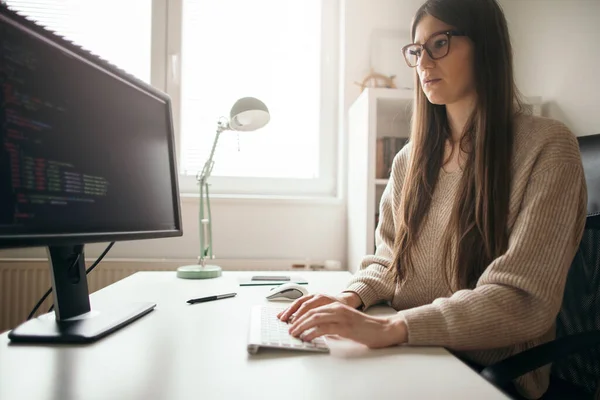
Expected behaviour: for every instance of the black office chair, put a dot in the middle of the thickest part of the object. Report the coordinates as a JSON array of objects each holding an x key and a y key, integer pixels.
[{"x": 575, "y": 353}]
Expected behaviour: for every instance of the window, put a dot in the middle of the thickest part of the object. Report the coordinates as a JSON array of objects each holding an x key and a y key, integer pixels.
[
  {"x": 206, "y": 54},
  {"x": 127, "y": 44},
  {"x": 283, "y": 53}
]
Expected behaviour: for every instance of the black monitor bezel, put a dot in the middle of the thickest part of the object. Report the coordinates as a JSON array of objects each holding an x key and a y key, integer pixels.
[{"x": 32, "y": 240}]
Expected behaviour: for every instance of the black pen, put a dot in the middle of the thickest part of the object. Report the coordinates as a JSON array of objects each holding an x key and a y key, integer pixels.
[{"x": 211, "y": 298}]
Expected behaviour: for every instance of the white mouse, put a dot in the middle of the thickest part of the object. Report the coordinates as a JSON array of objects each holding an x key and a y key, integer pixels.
[{"x": 287, "y": 291}]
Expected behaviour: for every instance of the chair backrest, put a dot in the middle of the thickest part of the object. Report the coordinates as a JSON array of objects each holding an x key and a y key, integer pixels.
[{"x": 580, "y": 311}]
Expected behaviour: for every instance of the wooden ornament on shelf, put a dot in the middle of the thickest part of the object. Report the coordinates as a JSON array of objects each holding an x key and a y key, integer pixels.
[{"x": 377, "y": 80}]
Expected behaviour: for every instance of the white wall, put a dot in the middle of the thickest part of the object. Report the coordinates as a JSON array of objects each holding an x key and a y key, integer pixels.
[
  {"x": 557, "y": 56},
  {"x": 362, "y": 18},
  {"x": 250, "y": 229},
  {"x": 278, "y": 230}
]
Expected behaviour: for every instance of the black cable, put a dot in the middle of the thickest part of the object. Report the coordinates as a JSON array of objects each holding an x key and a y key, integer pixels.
[
  {"x": 39, "y": 303},
  {"x": 93, "y": 265}
]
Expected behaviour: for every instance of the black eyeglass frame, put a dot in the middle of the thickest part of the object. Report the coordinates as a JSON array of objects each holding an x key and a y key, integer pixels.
[{"x": 448, "y": 33}]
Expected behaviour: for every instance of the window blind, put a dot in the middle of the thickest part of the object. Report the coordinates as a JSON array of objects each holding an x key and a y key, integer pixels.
[{"x": 116, "y": 30}]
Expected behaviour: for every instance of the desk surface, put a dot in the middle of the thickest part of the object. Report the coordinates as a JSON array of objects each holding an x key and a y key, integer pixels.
[{"x": 182, "y": 351}]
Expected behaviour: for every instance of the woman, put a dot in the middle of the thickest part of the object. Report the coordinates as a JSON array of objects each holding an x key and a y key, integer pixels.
[{"x": 482, "y": 215}]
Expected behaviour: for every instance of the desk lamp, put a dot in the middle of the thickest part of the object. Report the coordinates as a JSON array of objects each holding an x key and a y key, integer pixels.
[{"x": 247, "y": 114}]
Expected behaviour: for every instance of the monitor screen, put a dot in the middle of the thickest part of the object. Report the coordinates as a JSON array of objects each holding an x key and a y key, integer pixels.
[{"x": 86, "y": 151}]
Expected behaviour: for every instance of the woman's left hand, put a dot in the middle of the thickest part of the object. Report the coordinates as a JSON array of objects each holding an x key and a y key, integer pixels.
[{"x": 342, "y": 320}]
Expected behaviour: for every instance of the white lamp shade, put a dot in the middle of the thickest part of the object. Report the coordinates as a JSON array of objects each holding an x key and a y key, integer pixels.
[{"x": 248, "y": 114}]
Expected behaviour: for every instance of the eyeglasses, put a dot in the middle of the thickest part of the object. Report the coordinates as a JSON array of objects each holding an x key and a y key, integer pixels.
[{"x": 437, "y": 46}]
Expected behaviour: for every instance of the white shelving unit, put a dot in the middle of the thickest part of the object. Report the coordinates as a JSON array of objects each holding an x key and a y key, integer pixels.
[{"x": 376, "y": 113}]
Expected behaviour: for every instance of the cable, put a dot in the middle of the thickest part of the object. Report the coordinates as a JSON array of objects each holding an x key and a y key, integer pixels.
[
  {"x": 39, "y": 303},
  {"x": 90, "y": 269}
]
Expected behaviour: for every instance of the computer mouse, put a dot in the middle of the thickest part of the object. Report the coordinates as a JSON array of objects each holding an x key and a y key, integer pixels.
[{"x": 287, "y": 291}]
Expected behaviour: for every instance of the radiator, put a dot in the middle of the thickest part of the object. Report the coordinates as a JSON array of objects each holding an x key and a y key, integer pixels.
[{"x": 23, "y": 283}]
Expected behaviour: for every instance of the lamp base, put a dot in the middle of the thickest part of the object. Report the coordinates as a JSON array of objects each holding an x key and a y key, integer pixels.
[{"x": 198, "y": 272}]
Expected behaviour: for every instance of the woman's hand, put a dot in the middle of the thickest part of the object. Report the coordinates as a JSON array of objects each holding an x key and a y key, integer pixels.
[
  {"x": 312, "y": 301},
  {"x": 339, "y": 319}
]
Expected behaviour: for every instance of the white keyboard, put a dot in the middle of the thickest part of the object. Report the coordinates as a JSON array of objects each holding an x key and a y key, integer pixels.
[{"x": 266, "y": 330}]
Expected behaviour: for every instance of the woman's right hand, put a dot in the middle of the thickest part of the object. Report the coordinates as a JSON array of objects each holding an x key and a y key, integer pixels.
[{"x": 306, "y": 303}]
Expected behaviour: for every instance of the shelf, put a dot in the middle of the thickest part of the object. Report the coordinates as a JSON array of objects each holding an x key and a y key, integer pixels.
[{"x": 381, "y": 182}]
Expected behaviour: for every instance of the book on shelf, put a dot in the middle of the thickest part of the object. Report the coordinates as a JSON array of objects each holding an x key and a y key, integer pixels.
[{"x": 387, "y": 148}]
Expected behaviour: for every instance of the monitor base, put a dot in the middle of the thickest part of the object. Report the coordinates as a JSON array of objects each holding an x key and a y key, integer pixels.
[{"x": 85, "y": 328}]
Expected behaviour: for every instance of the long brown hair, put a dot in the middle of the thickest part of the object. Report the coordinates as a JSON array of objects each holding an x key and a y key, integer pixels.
[{"x": 477, "y": 231}]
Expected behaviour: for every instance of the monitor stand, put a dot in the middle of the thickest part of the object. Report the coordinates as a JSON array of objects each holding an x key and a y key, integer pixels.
[{"x": 73, "y": 321}]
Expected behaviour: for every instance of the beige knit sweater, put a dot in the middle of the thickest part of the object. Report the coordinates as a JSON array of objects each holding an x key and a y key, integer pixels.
[{"x": 516, "y": 300}]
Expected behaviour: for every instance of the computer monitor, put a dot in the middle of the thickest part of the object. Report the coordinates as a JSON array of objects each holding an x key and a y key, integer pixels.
[{"x": 87, "y": 154}]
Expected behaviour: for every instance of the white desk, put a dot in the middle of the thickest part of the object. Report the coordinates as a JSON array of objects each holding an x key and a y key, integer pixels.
[{"x": 182, "y": 351}]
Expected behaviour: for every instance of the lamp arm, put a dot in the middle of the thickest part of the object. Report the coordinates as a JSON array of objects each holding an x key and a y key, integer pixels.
[
  {"x": 205, "y": 217},
  {"x": 202, "y": 178},
  {"x": 209, "y": 248}
]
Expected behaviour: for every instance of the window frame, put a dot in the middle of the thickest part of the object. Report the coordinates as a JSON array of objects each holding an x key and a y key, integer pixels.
[{"x": 168, "y": 73}]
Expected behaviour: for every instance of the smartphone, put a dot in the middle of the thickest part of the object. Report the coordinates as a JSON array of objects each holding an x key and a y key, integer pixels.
[{"x": 271, "y": 278}]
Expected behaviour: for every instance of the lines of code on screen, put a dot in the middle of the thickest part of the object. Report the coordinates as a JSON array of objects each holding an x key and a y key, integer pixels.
[
  {"x": 28, "y": 122},
  {"x": 80, "y": 149}
]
